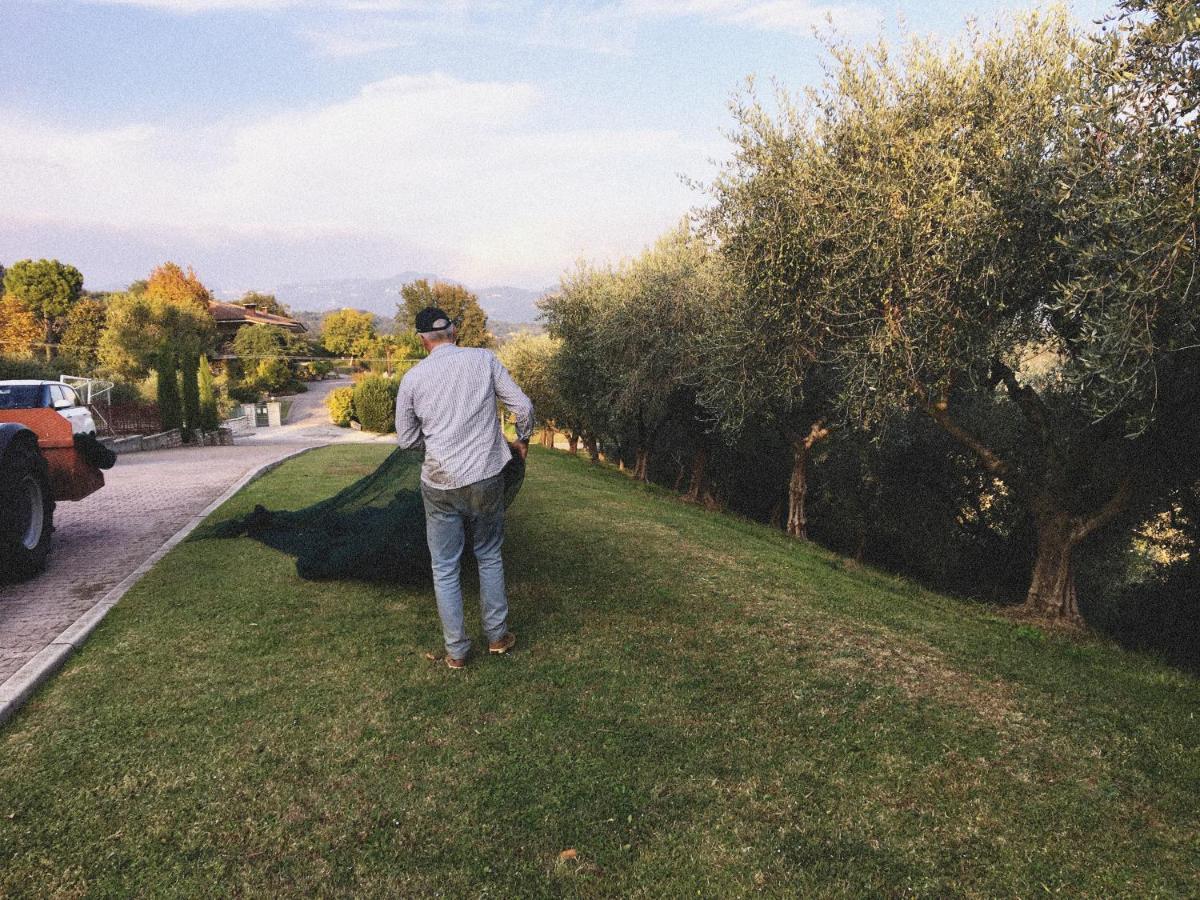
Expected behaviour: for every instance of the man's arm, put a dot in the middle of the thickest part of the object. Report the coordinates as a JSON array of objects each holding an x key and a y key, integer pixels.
[
  {"x": 514, "y": 398},
  {"x": 408, "y": 426}
]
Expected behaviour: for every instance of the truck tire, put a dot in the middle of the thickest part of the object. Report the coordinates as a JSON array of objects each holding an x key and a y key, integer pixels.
[{"x": 26, "y": 512}]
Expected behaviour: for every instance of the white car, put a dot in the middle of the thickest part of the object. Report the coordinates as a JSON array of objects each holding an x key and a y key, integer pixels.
[{"x": 29, "y": 394}]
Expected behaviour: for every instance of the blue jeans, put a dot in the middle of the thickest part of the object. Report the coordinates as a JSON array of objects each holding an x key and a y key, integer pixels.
[{"x": 447, "y": 513}]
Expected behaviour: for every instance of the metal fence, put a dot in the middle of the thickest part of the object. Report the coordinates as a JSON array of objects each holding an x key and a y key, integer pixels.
[{"x": 132, "y": 418}]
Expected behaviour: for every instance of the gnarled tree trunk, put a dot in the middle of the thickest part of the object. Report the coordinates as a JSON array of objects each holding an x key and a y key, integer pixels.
[
  {"x": 1052, "y": 593},
  {"x": 699, "y": 484},
  {"x": 797, "y": 513},
  {"x": 641, "y": 464},
  {"x": 1052, "y": 588},
  {"x": 573, "y": 443},
  {"x": 593, "y": 449}
]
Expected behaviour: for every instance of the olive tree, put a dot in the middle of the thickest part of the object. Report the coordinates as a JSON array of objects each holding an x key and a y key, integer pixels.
[
  {"x": 983, "y": 207},
  {"x": 762, "y": 343},
  {"x": 531, "y": 360},
  {"x": 648, "y": 344},
  {"x": 576, "y": 314}
]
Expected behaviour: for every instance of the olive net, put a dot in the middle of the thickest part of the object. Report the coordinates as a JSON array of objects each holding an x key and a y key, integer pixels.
[{"x": 372, "y": 530}]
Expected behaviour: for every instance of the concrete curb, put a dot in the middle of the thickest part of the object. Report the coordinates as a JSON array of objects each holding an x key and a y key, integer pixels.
[{"x": 21, "y": 684}]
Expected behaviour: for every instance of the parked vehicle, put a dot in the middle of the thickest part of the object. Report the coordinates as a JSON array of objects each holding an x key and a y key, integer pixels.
[
  {"x": 28, "y": 394},
  {"x": 48, "y": 452}
]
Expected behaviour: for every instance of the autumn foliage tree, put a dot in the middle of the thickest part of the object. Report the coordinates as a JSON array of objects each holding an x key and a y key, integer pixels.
[
  {"x": 20, "y": 331},
  {"x": 161, "y": 333},
  {"x": 170, "y": 283},
  {"x": 453, "y": 299},
  {"x": 82, "y": 329}
]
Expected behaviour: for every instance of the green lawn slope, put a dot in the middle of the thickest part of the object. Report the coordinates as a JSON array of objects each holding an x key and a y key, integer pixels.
[{"x": 698, "y": 706}]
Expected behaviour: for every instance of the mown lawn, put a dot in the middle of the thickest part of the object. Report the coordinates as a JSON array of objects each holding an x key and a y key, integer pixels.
[{"x": 697, "y": 707}]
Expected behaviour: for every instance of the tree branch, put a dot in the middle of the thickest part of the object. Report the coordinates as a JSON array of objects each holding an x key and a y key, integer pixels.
[
  {"x": 1085, "y": 525},
  {"x": 1032, "y": 407},
  {"x": 992, "y": 462}
]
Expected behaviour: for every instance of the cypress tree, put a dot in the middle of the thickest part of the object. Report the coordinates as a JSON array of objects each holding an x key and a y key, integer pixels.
[
  {"x": 170, "y": 413},
  {"x": 188, "y": 365},
  {"x": 209, "y": 419}
]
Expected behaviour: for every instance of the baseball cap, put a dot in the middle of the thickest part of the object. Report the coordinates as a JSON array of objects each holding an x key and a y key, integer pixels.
[{"x": 433, "y": 319}]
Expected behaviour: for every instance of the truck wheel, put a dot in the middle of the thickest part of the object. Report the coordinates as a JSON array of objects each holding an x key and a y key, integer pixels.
[{"x": 26, "y": 512}]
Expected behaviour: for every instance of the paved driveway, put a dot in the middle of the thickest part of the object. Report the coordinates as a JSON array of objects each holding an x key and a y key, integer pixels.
[{"x": 147, "y": 498}]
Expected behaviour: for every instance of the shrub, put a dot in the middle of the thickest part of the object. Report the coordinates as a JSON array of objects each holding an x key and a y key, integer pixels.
[
  {"x": 15, "y": 367},
  {"x": 124, "y": 392},
  {"x": 243, "y": 393},
  {"x": 340, "y": 404},
  {"x": 315, "y": 370},
  {"x": 272, "y": 375},
  {"x": 375, "y": 403}
]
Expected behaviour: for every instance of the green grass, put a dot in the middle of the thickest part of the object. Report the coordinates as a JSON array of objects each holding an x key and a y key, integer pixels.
[{"x": 698, "y": 706}]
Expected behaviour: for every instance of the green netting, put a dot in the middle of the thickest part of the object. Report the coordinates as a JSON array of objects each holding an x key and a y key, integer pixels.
[{"x": 373, "y": 530}]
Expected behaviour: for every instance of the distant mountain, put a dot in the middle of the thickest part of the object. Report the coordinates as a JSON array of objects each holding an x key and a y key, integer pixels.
[
  {"x": 380, "y": 296},
  {"x": 510, "y": 304}
]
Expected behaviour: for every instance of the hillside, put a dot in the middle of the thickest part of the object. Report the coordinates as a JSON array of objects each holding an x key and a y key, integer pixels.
[{"x": 697, "y": 706}]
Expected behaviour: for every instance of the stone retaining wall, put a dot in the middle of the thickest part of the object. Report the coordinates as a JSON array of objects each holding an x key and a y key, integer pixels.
[{"x": 222, "y": 437}]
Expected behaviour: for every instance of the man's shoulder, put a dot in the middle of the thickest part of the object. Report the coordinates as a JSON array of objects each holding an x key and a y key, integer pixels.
[
  {"x": 480, "y": 353},
  {"x": 470, "y": 357}
]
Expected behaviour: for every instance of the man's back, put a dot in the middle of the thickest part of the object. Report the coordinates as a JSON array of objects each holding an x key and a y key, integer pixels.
[{"x": 449, "y": 399}]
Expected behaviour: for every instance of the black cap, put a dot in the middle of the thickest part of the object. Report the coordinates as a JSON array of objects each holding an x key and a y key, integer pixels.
[{"x": 433, "y": 319}]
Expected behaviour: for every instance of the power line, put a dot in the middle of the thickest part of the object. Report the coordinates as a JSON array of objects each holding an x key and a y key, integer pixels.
[{"x": 286, "y": 356}]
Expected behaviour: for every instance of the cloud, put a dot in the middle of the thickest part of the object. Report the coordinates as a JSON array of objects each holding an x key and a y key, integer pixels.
[
  {"x": 186, "y": 7},
  {"x": 603, "y": 27},
  {"x": 798, "y": 16},
  {"x": 340, "y": 45},
  {"x": 451, "y": 170}
]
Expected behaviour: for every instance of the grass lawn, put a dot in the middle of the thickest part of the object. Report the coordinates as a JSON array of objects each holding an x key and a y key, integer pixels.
[{"x": 698, "y": 706}]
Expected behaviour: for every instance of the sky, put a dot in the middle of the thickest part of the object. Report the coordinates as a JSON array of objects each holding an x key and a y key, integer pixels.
[{"x": 493, "y": 141}]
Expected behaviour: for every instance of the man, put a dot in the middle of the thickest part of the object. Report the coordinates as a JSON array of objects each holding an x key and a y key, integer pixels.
[{"x": 448, "y": 401}]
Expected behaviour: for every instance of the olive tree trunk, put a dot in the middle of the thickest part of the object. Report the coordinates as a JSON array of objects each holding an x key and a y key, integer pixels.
[
  {"x": 641, "y": 464},
  {"x": 698, "y": 488},
  {"x": 797, "y": 513},
  {"x": 1052, "y": 593}
]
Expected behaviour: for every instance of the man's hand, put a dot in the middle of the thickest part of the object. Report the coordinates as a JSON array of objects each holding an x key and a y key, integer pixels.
[{"x": 521, "y": 448}]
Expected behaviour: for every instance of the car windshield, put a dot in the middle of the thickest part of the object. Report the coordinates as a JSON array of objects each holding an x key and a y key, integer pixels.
[{"x": 20, "y": 396}]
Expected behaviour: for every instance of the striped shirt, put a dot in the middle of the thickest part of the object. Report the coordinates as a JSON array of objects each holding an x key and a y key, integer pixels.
[{"x": 448, "y": 400}]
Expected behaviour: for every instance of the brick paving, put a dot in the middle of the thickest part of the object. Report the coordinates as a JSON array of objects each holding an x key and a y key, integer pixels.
[{"x": 101, "y": 540}]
